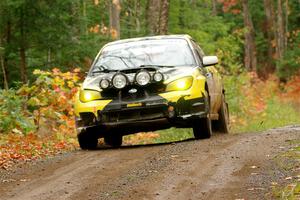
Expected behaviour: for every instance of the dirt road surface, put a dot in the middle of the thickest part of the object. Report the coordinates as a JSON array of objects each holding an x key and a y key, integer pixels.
[{"x": 234, "y": 166}]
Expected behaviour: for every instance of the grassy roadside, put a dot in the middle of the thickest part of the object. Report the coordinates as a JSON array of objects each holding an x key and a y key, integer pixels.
[
  {"x": 255, "y": 105},
  {"x": 289, "y": 162}
]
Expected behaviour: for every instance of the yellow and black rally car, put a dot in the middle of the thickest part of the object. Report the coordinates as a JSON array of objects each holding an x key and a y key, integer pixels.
[{"x": 150, "y": 83}]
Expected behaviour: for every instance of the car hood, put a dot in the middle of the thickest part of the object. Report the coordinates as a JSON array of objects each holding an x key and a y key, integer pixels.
[{"x": 170, "y": 74}]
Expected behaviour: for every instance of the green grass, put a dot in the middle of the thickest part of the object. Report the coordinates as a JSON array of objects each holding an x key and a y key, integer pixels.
[
  {"x": 277, "y": 114},
  {"x": 174, "y": 134}
]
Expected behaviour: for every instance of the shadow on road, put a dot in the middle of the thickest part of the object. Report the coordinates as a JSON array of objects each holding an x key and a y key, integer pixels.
[{"x": 128, "y": 146}]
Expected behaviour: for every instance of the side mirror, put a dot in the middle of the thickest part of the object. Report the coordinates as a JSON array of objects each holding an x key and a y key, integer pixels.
[{"x": 210, "y": 60}]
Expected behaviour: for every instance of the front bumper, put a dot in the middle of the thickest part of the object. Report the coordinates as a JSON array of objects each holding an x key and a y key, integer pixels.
[{"x": 148, "y": 114}]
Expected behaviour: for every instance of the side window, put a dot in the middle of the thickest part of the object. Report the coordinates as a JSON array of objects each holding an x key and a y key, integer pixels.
[
  {"x": 199, "y": 59},
  {"x": 199, "y": 52}
]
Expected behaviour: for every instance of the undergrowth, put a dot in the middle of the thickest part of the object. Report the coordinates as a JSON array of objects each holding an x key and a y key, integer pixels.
[{"x": 42, "y": 116}]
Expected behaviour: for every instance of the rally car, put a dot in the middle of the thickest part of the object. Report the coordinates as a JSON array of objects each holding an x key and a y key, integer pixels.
[{"x": 150, "y": 83}]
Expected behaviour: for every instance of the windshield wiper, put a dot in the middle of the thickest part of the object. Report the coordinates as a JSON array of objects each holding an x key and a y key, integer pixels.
[
  {"x": 102, "y": 69},
  {"x": 168, "y": 66}
]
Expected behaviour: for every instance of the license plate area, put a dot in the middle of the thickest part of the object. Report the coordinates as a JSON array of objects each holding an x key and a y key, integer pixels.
[{"x": 130, "y": 105}]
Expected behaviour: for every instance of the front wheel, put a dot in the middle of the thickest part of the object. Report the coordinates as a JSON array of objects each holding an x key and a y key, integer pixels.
[
  {"x": 202, "y": 128},
  {"x": 86, "y": 140},
  {"x": 222, "y": 124}
]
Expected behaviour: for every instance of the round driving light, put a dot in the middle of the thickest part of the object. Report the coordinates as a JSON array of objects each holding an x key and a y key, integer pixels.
[
  {"x": 119, "y": 81},
  {"x": 104, "y": 83},
  {"x": 143, "y": 78},
  {"x": 158, "y": 77}
]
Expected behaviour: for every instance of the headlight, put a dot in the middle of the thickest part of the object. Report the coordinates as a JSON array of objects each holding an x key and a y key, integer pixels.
[
  {"x": 119, "y": 81},
  {"x": 180, "y": 84},
  {"x": 158, "y": 77},
  {"x": 89, "y": 95},
  {"x": 104, "y": 83},
  {"x": 143, "y": 78}
]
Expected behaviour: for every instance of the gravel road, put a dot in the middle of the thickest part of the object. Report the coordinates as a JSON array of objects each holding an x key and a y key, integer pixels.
[{"x": 233, "y": 166}]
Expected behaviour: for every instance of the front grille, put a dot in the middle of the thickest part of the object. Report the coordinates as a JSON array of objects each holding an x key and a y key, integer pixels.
[
  {"x": 138, "y": 95},
  {"x": 141, "y": 92},
  {"x": 134, "y": 114}
]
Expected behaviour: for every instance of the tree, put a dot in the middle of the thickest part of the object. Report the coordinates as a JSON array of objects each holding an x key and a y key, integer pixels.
[
  {"x": 157, "y": 16},
  {"x": 214, "y": 7},
  {"x": 115, "y": 8},
  {"x": 281, "y": 38},
  {"x": 5, "y": 33},
  {"x": 164, "y": 17},
  {"x": 22, "y": 45},
  {"x": 270, "y": 32},
  {"x": 152, "y": 16},
  {"x": 250, "y": 59},
  {"x": 5, "y": 82}
]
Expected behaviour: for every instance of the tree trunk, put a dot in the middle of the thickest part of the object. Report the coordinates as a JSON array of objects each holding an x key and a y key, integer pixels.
[
  {"x": 49, "y": 58},
  {"x": 280, "y": 31},
  {"x": 152, "y": 16},
  {"x": 114, "y": 15},
  {"x": 137, "y": 15},
  {"x": 4, "y": 62},
  {"x": 157, "y": 16},
  {"x": 214, "y": 7},
  {"x": 164, "y": 17},
  {"x": 181, "y": 22},
  {"x": 22, "y": 51},
  {"x": 270, "y": 31},
  {"x": 23, "y": 67},
  {"x": 286, "y": 23},
  {"x": 250, "y": 59},
  {"x": 5, "y": 82},
  {"x": 85, "y": 17}
]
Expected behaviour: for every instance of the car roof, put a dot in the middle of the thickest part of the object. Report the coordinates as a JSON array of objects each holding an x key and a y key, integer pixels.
[{"x": 158, "y": 37}]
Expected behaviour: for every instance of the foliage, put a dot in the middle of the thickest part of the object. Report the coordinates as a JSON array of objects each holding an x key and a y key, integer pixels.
[
  {"x": 290, "y": 64},
  {"x": 38, "y": 119},
  {"x": 50, "y": 99},
  {"x": 141, "y": 138},
  {"x": 226, "y": 42},
  {"x": 18, "y": 148},
  {"x": 12, "y": 114},
  {"x": 257, "y": 104},
  {"x": 292, "y": 91}
]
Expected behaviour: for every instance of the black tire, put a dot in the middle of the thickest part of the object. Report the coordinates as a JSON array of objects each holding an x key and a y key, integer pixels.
[
  {"x": 113, "y": 140},
  {"x": 222, "y": 124},
  {"x": 87, "y": 141},
  {"x": 202, "y": 127}
]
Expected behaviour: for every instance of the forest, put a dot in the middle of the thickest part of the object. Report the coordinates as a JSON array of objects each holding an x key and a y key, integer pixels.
[
  {"x": 46, "y": 47},
  {"x": 259, "y": 36}
]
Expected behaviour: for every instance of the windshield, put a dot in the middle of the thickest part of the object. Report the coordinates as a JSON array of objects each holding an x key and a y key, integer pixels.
[{"x": 164, "y": 52}]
